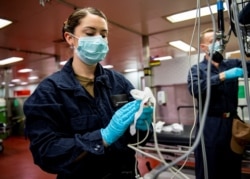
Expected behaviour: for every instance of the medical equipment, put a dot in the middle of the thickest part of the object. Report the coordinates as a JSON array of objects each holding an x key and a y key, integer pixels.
[
  {"x": 239, "y": 12},
  {"x": 221, "y": 26},
  {"x": 239, "y": 18},
  {"x": 148, "y": 98},
  {"x": 219, "y": 36},
  {"x": 161, "y": 97}
]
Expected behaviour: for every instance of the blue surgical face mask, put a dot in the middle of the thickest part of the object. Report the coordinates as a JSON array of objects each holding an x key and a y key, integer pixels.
[
  {"x": 217, "y": 47},
  {"x": 92, "y": 49},
  {"x": 216, "y": 52}
]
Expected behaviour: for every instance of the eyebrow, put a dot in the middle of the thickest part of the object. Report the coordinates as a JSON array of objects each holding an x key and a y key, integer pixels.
[{"x": 93, "y": 28}]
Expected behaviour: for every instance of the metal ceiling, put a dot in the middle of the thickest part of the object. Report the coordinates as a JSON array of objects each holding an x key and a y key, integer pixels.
[{"x": 36, "y": 32}]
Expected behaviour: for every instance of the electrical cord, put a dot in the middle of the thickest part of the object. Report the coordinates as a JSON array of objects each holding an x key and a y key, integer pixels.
[
  {"x": 156, "y": 147},
  {"x": 137, "y": 175},
  {"x": 202, "y": 114},
  {"x": 147, "y": 94},
  {"x": 202, "y": 117},
  {"x": 197, "y": 20},
  {"x": 202, "y": 122}
]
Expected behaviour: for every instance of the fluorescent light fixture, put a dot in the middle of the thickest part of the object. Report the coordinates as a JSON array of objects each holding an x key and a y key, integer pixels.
[
  {"x": 187, "y": 15},
  {"x": 108, "y": 66},
  {"x": 15, "y": 80},
  {"x": 24, "y": 83},
  {"x": 63, "y": 62},
  {"x": 182, "y": 46},
  {"x": 10, "y": 60},
  {"x": 4, "y": 23},
  {"x": 10, "y": 84},
  {"x": 32, "y": 77},
  {"x": 130, "y": 70},
  {"x": 163, "y": 58},
  {"x": 25, "y": 70}
]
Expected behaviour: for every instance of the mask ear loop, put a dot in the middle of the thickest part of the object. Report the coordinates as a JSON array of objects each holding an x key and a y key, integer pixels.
[
  {"x": 73, "y": 35},
  {"x": 72, "y": 45}
]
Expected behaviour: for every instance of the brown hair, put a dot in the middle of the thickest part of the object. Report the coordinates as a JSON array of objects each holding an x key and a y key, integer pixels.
[
  {"x": 204, "y": 32},
  {"x": 74, "y": 19}
]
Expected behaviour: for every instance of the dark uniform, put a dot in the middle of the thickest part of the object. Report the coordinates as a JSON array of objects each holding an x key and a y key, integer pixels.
[
  {"x": 221, "y": 161},
  {"x": 63, "y": 120}
]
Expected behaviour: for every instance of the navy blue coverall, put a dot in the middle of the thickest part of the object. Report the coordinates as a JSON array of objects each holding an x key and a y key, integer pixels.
[
  {"x": 63, "y": 121},
  {"x": 222, "y": 162}
]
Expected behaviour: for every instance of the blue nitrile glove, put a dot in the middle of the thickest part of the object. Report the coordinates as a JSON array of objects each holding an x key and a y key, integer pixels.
[
  {"x": 120, "y": 122},
  {"x": 233, "y": 73},
  {"x": 145, "y": 120}
]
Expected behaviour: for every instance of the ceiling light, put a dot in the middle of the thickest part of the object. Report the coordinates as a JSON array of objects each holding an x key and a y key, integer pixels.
[
  {"x": 33, "y": 77},
  {"x": 15, "y": 80},
  {"x": 25, "y": 70},
  {"x": 182, "y": 46},
  {"x": 163, "y": 58},
  {"x": 108, "y": 66},
  {"x": 24, "y": 83},
  {"x": 63, "y": 62},
  {"x": 130, "y": 70},
  {"x": 10, "y": 60},
  {"x": 4, "y": 23},
  {"x": 10, "y": 84},
  {"x": 191, "y": 14}
]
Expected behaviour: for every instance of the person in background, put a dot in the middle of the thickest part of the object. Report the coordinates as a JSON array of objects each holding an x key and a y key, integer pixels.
[
  {"x": 222, "y": 162},
  {"x": 76, "y": 119}
]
